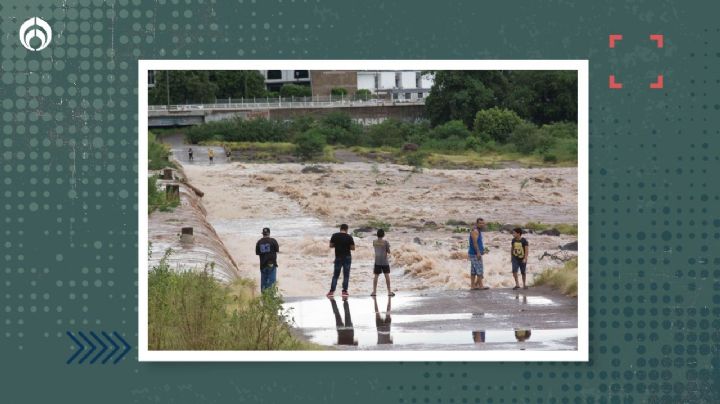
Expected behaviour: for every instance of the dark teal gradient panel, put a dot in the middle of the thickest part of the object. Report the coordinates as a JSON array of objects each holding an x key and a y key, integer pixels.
[{"x": 69, "y": 146}]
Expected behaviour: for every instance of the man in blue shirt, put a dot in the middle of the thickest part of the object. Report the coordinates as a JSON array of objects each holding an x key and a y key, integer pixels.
[{"x": 475, "y": 252}]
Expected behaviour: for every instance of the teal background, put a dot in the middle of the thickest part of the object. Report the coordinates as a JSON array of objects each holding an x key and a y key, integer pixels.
[{"x": 69, "y": 176}]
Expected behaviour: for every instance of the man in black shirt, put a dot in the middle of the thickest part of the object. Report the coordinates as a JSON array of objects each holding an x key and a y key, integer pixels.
[
  {"x": 267, "y": 248},
  {"x": 343, "y": 243}
]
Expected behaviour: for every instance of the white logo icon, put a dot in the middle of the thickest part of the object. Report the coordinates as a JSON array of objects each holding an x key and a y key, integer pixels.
[{"x": 35, "y": 28}]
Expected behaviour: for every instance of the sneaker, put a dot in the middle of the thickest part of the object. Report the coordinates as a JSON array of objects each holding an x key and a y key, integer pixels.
[
  {"x": 516, "y": 288},
  {"x": 345, "y": 293},
  {"x": 330, "y": 294}
]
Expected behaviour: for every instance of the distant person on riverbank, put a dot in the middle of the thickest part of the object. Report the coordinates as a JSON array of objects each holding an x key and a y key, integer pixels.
[
  {"x": 211, "y": 154},
  {"x": 518, "y": 256},
  {"x": 190, "y": 154},
  {"x": 343, "y": 243},
  {"x": 267, "y": 248},
  {"x": 382, "y": 265},
  {"x": 475, "y": 252}
]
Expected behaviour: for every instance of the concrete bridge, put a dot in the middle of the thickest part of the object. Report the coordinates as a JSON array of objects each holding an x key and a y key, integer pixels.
[{"x": 365, "y": 112}]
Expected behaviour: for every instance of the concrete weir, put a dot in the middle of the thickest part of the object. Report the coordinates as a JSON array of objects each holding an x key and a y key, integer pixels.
[{"x": 186, "y": 231}]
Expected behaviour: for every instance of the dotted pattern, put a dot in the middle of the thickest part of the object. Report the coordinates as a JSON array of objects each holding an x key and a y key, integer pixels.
[{"x": 69, "y": 147}]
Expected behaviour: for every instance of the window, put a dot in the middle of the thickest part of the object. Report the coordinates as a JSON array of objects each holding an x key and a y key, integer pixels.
[
  {"x": 420, "y": 95},
  {"x": 408, "y": 96},
  {"x": 302, "y": 74},
  {"x": 151, "y": 78},
  {"x": 395, "y": 96},
  {"x": 274, "y": 74}
]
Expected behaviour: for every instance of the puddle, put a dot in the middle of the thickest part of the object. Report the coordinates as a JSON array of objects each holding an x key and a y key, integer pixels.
[
  {"x": 534, "y": 300},
  {"x": 364, "y": 323}
]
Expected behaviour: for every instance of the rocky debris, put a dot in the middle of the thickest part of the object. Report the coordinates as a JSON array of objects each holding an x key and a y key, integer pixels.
[
  {"x": 550, "y": 232},
  {"x": 430, "y": 223},
  {"x": 507, "y": 228},
  {"x": 417, "y": 240},
  {"x": 365, "y": 229},
  {"x": 453, "y": 222},
  {"x": 315, "y": 169},
  {"x": 570, "y": 246},
  {"x": 410, "y": 147}
]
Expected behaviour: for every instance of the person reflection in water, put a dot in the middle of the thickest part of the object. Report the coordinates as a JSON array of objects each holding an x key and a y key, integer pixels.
[
  {"x": 345, "y": 330},
  {"x": 522, "y": 335},
  {"x": 478, "y": 336},
  {"x": 383, "y": 324}
]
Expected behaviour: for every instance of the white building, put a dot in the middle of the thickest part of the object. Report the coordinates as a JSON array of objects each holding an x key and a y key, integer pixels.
[{"x": 398, "y": 85}]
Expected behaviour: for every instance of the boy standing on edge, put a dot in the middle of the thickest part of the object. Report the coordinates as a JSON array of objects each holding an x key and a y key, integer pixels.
[
  {"x": 343, "y": 243},
  {"x": 518, "y": 256},
  {"x": 382, "y": 249},
  {"x": 267, "y": 248}
]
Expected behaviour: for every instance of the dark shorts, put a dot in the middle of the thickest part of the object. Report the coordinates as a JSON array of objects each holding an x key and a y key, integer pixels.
[
  {"x": 518, "y": 264},
  {"x": 385, "y": 269}
]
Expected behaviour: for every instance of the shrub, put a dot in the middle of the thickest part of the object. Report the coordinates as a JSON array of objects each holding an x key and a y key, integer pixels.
[
  {"x": 497, "y": 123},
  {"x": 338, "y": 91},
  {"x": 310, "y": 144},
  {"x": 550, "y": 158},
  {"x": 157, "y": 153},
  {"x": 295, "y": 90},
  {"x": 450, "y": 129},
  {"x": 363, "y": 94},
  {"x": 416, "y": 159},
  {"x": 527, "y": 139}
]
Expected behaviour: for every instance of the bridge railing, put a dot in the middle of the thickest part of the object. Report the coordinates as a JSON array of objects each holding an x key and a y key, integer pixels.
[{"x": 287, "y": 102}]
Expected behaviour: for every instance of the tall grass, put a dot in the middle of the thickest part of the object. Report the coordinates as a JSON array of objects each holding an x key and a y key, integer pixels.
[
  {"x": 157, "y": 153},
  {"x": 157, "y": 200},
  {"x": 564, "y": 279},
  {"x": 191, "y": 310}
]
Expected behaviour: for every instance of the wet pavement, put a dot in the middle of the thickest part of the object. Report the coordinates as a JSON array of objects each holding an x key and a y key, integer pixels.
[{"x": 497, "y": 319}]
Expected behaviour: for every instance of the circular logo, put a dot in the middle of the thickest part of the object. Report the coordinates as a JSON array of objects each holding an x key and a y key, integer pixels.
[{"x": 35, "y": 29}]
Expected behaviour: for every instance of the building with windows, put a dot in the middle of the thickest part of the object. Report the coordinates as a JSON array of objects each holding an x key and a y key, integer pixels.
[
  {"x": 410, "y": 85},
  {"x": 275, "y": 79}
]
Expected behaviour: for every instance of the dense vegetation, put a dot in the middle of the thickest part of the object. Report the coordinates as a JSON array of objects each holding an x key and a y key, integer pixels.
[
  {"x": 525, "y": 113},
  {"x": 564, "y": 279},
  {"x": 193, "y": 311}
]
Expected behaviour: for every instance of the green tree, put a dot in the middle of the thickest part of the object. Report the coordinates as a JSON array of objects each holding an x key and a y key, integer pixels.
[
  {"x": 458, "y": 95},
  {"x": 238, "y": 83},
  {"x": 497, "y": 123},
  {"x": 185, "y": 87},
  {"x": 295, "y": 90}
]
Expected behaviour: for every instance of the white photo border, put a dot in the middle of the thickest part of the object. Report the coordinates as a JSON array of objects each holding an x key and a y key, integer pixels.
[{"x": 581, "y": 355}]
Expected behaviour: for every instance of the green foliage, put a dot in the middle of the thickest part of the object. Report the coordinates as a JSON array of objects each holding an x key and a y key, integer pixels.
[
  {"x": 236, "y": 84},
  {"x": 310, "y": 144},
  {"x": 496, "y": 123},
  {"x": 392, "y": 132},
  {"x": 564, "y": 279},
  {"x": 416, "y": 159},
  {"x": 363, "y": 94},
  {"x": 538, "y": 96},
  {"x": 527, "y": 139},
  {"x": 157, "y": 200},
  {"x": 338, "y": 91},
  {"x": 450, "y": 129},
  {"x": 240, "y": 130},
  {"x": 379, "y": 224},
  {"x": 157, "y": 153},
  {"x": 295, "y": 90},
  {"x": 191, "y": 310}
]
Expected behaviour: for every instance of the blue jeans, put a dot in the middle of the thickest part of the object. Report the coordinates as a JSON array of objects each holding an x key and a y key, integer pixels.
[
  {"x": 344, "y": 263},
  {"x": 267, "y": 277}
]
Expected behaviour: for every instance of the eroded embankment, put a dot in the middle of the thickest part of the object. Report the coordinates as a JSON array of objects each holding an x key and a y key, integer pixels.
[{"x": 203, "y": 249}]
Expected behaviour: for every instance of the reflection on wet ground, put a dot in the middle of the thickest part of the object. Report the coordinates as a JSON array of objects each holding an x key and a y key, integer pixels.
[{"x": 442, "y": 321}]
